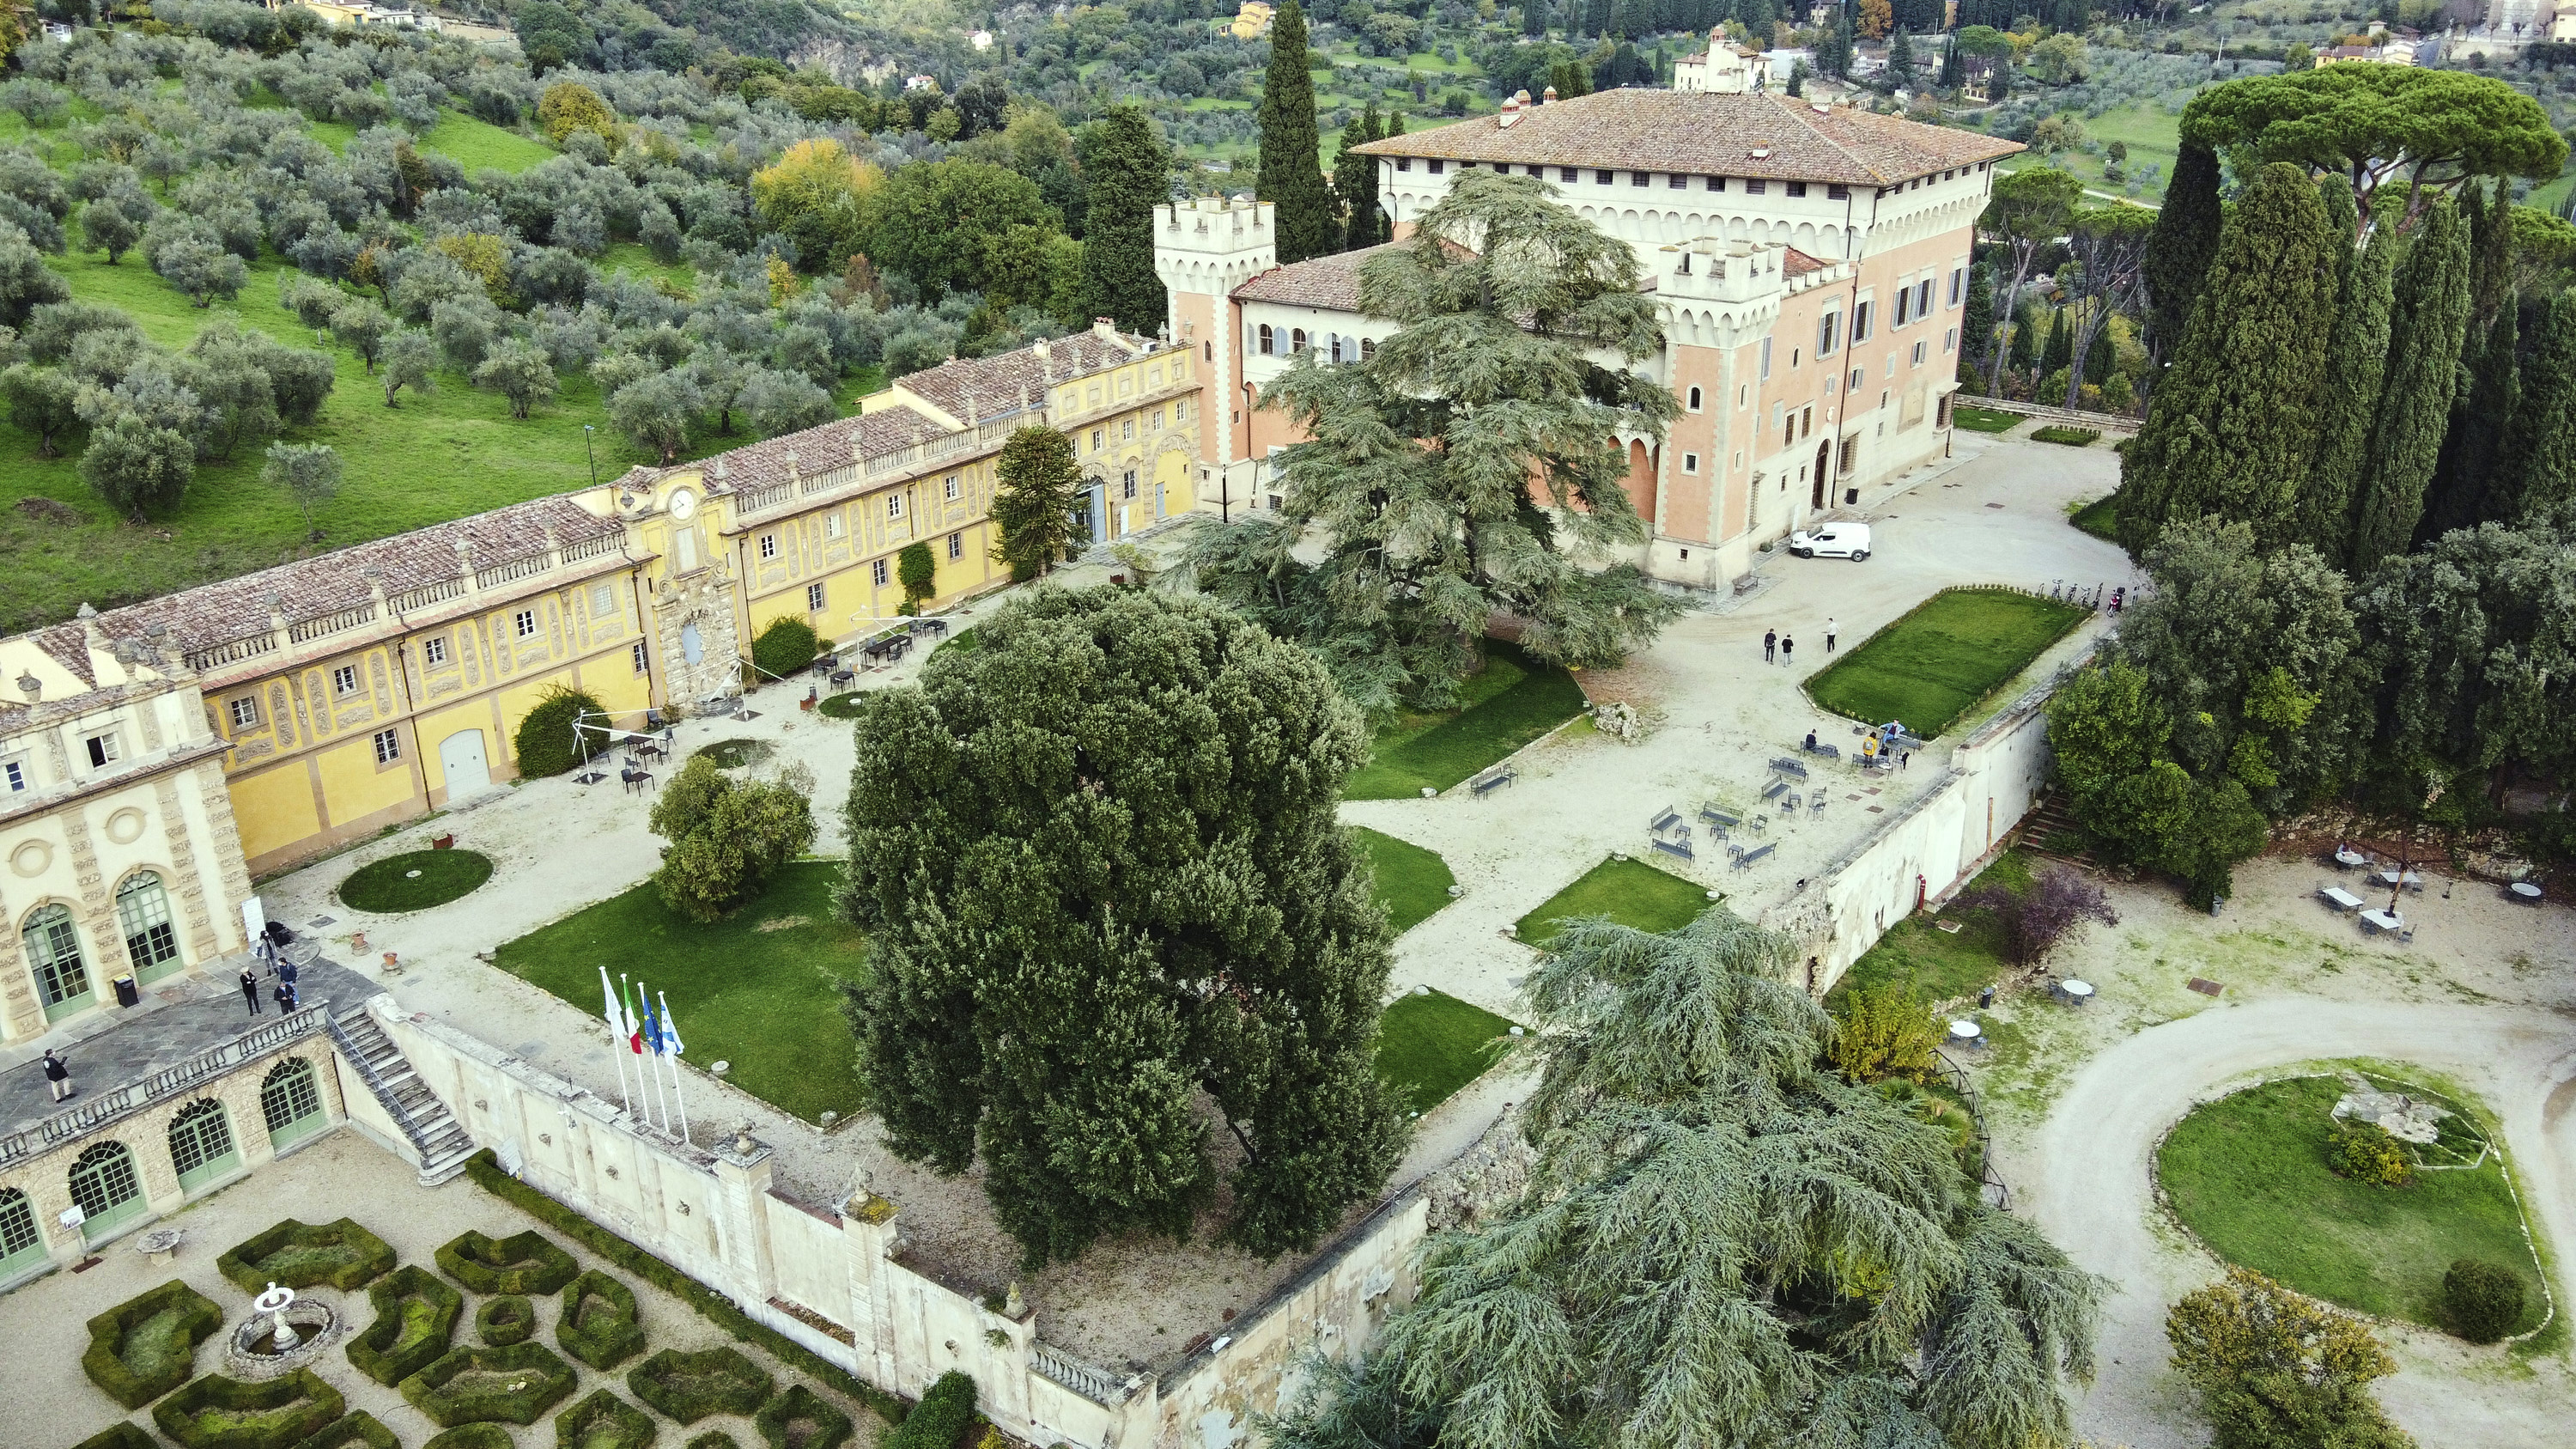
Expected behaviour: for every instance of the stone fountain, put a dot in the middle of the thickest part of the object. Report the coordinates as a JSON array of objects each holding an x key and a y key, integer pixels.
[{"x": 285, "y": 1331}]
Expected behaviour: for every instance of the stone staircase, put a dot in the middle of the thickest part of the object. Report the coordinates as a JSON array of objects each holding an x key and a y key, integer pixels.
[{"x": 433, "y": 1130}]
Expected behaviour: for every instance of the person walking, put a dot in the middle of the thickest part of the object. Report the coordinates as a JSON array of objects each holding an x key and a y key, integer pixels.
[
  {"x": 1905, "y": 761},
  {"x": 250, "y": 990},
  {"x": 1788, "y": 647},
  {"x": 1770, "y": 645},
  {"x": 1830, "y": 631},
  {"x": 58, "y": 1075}
]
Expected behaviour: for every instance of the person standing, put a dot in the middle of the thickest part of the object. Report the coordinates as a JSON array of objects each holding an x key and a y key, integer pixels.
[
  {"x": 1830, "y": 631},
  {"x": 58, "y": 1075},
  {"x": 285, "y": 998},
  {"x": 250, "y": 990},
  {"x": 1905, "y": 761},
  {"x": 1770, "y": 645},
  {"x": 1788, "y": 648}
]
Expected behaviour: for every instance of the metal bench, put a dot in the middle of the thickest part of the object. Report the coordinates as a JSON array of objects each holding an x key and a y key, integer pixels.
[
  {"x": 1665, "y": 819},
  {"x": 1719, "y": 818},
  {"x": 1746, "y": 860},
  {"x": 1681, "y": 847},
  {"x": 1830, "y": 752},
  {"x": 1491, "y": 780},
  {"x": 1773, "y": 790},
  {"x": 1790, "y": 767}
]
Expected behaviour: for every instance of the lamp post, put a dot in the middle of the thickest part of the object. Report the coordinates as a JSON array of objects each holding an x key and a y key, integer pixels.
[{"x": 590, "y": 452}]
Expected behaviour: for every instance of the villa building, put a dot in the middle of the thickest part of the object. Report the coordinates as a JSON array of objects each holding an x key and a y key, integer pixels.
[
  {"x": 1810, "y": 262},
  {"x": 154, "y": 758}
]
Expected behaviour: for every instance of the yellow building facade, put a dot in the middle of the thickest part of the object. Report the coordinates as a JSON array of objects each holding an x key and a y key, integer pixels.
[{"x": 242, "y": 727}]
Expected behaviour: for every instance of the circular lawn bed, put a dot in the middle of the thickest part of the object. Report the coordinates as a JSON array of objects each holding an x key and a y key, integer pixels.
[
  {"x": 840, "y": 706},
  {"x": 414, "y": 881},
  {"x": 2251, "y": 1174}
]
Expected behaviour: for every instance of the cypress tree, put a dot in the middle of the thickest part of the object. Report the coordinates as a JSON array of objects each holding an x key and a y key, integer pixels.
[
  {"x": 2343, "y": 213},
  {"x": 1355, "y": 183},
  {"x": 1127, "y": 172},
  {"x": 2060, "y": 350},
  {"x": 2024, "y": 355},
  {"x": 2458, "y": 498},
  {"x": 2179, "y": 252},
  {"x": 2356, "y": 360},
  {"x": 2538, "y": 470},
  {"x": 1534, "y": 17},
  {"x": 1977, "y": 329},
  {"x": 1290, "y": 174},
  {"x": 1900, "y": 60},
  {"x": 2098, "y": 359},
  {"x": 1954, "y": 73},
  {"x": 2234, "y": 420},
  {"x": 2432, "y": 317}
]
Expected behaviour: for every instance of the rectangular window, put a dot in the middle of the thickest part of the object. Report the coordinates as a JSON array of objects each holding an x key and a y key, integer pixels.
[
  {"x": 768, "y": 546},
  {"x": 1690, "y": 462},
  {"x": 1677, "y": 181},
  {"x": 643, "y": 659},
  {"x": 1778, "y": 410},
  {"x": 603, "y": 601},
  {"x": 1958, "y": 279},
  {"x": 1797, "y": 188},
  {"x": 1807, "y": 421},
  {"x": 1639, "y": 178},
  {"x": 877, "y": 573},
  {"x": 245, "y": 712},
  {"x": 15, "y": 774},
  {"x": 1904, "y": 304},
  {"x": 1755, "y": 186},
  {"x": 1568, "y": 173},
  {"x": 1127, "y": 484},
  {"x": 388, "y": 746},
  {"x": 102, "y": 749},
  {"x": 1860, "y": 322},
  {"x": 831, "y": 525},
  {"x": 344, "y": 681},
  {"x": 953, "y": 486},
  {"x": 1857, "y": 375},
  {"x": 434, "y": 651},
  {"x": 1181, "y": 411},
  {"x": 525, "y": 621},
  {"x": 813, "y": 598},
  {"x": 894, "y": 505},
  {"x": 1096, "y": 436},
  {"x": 1836, "y": 191},
  {"x": 1603, "y": 177},
  {"x": 1919, "y": 349},
  {"x": 1829, "y": 334},
  {"x": 1126, "y": 430},
  {"x": 1715, "y": 183},
  {"x": 1950, "y": 340},
  {"x": 1158, "y": 420},
  {"x": 1766, "y": 359},
  {"x": 1436, "y": 166},
  {"x": 1403, "y": 163},
  {"x": 956, "y": 546}
]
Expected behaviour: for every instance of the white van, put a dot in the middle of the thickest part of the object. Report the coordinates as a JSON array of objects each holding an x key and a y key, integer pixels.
[{"x": 1834, "y": 540}]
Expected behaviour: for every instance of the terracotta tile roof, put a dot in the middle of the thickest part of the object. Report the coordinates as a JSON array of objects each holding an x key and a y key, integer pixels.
[
  {"x": 1330, "y": 282},
  {"x": 68, "y": 646},
  {"x": 992, "y": 386},
  {"x": 219, "y": 613},
  {"x": 815, "y": 449},
  {"x": 1708, "y": 134},
  {"x": 1795, "y": 263}
]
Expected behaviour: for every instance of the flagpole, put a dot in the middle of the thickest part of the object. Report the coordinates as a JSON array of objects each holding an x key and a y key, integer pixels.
[
  {"x": 676, "y": 1079},
  {"x": 616, "y": 1042},
  {"x": 661, "y": 1103},
  {"x": 636, "y": 1013}
]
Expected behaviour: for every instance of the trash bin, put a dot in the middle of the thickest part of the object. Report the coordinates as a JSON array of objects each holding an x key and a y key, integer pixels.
[{"x": 126, "y": 995}]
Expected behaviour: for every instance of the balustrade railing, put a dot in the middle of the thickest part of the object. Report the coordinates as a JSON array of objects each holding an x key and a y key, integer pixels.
[
  {"x": 1095, "y": 1384},
  {"x": 353, "y": 617},
  {"x": 438, "y": 592},
  {"x": 511, "y": 572},
  {"x": 133, "y": 1097},
  {"x": 248, "y": 647}
]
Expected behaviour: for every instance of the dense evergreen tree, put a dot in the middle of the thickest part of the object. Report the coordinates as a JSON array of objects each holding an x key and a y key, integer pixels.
[
  {"x": 2030, "y": 208},
  {"x": 1470, "y": 466},
  {"x": 1977, "y": 329},
  {"x": 1900, "y": 60},
  {"x": 1085, "y": 955},
  {"x": 2425, "y": 334},
  {"x": 2060, "y": 350},
  {"x": 2537, "y": 472},
  {"x": 1038, "y": 489},
  {"x": 2233, "y": 425},
  {"x": 2186, "y": 239},
  {"x": 2356, "y": 361},
  {"x": 1534, "y": 18},
  {"x": 1290, "y": 173},
  {"x": 2480, "y": 418},
  {"x": 1355, "y": 184},
  {"x": 1954, "y": 73},
  {"x": 1128, "y": 169},
  {"x": 1723, "y": 1243},
  {"x": 2472, "y": 647}
]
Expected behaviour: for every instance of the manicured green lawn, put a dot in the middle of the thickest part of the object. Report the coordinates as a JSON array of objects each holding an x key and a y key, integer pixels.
[
  {"x": 1411, "y": 882},
  {"x": 2153, "y": 135},
  {"x": 1938, "y": 965},
  {"x": 463, "y": 139},
  {"x": 2100, "y": 518},
  {"x": 1935, "y": 664},
  {"x": 1983, "y": 420},
  {"x": 1629, "y": 892},
  {"x": 1430, "y": 1046},
  {"x": 1513, "y": 701},
  {"x": 414, "y": 880},
  {"x": 761, "y": 990},
  {"x": 2249, "y": 1174}
]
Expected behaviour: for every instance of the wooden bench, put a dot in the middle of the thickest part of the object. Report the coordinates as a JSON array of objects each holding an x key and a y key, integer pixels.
[
  {"x": 1681, "y": 847},
  {"x": 1746, "y": 860},
  {"x": 1490, "y": 781}
]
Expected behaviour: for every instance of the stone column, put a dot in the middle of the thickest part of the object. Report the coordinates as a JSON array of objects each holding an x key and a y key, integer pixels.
[{"x": 742, "y": 1217}]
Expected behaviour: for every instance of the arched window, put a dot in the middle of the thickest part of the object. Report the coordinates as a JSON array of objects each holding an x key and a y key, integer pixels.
[
  {"x": 1694, "y": 399},
  {"x": 291, "y": 1099},
  {"x": 1266, "y": 340},
  {"x": 53, "y": 950},
  {"x": 21, "y": 1245},
  {"x": 1296, "y": 340},
  {"x": 105, "y": 1189},
  {"x": 201, "y": 1143},
  {"x": 1210, "y": 349},
  {"x": 143, "y": 914}
]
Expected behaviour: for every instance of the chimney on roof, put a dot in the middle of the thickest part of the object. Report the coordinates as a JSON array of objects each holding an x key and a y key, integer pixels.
[
  {"x": 1548, "y": 96},
  {"x": 858, "y": 446},
  {"x": 1511, "y": 111},
  {"x": 465, "y": 561},
  {"x": 1105, "y": 327},
  {"x": 31, "y": 687},
  {"x": 794, "y": 472},
  {"x": 375, "y": 578}
]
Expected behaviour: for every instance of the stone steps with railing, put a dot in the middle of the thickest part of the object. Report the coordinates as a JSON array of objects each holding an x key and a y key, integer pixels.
[{"x": 434, "y": 1131}]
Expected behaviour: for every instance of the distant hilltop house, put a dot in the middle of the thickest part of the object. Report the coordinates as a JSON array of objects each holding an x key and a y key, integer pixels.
[
  {"x": 981, "y": 40},
  {"x": 920, "y": 83},
  {"x": 1252, "y": 21},
  {"x": 1725, "y": 68},
  {"x": 365, "y": 12},
  {"x": 2389, "y": 52}
]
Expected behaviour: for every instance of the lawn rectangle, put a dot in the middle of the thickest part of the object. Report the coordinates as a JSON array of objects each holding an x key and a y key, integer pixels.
[
  {"x": 2249, "y": 1173},
  {"x": 1941, "y": 659},
  {"x": 1411, "y": 882},
  {"x": 761, "y": 989},
  {"x": 1430, "y": 1045},
  {"x": 1629, "y": 892},
  {"x": 1512, "y": 701},
  {"x": 2100, "y": 518},
  {"x": 1984, "y": 420},
  {"x": 1936, "y": 965}
]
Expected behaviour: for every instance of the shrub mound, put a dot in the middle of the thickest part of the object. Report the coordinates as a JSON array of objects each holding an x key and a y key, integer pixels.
[
  {"x": 215, "y": 1412},
  {"x": 603, "y": 1421},
  {"x": 514, "y": 1385},
  {"x": 942, "y": 1415},
  {"x": 2070, "y": 437},
  {"x": 415, "y": 1314},
  {"x": 713, "y": 1439},
  {"x": 471, "y": 1436},
  {"x": 126, "y": 1434},
  {"x": 2484, "y": 1299},
  {"x": 299, "y": 1255},
  {"x": 800, "y": 1419},
  {"x": 360, "y": 1430},
  {"x": 687, "y": 1387},
  {"x": 521, "y": 1263},
  {"x": 600, "y": 1324},
  {"x": 544, "y": 744},
  {"x": 147, "y": 1345},
  {"x": 2364, "y": 1152},
  {"x": 414, "y": 881},
  {"x": 786, "y": 646},
  {"x": 505, "y": 1321}
]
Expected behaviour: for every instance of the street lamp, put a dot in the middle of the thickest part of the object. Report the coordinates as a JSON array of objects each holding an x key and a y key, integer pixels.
[{"x": 591, "y": 453}]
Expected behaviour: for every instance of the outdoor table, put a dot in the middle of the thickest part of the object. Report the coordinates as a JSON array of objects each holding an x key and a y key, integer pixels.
[
  {"x": 2340, "y": 899},
  {"x": 843, "y": 676},
  {"x": 1964, "y": 1032},
  {"x": 2524, "y": 890},
  {"x": 2077, "y": 992},
  {"x": 2382, "y": 920},
  {"x": 2351, "y": 859},
  {"x": 931, "y": 626},
  {"x": 2390, "y": 878}
]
